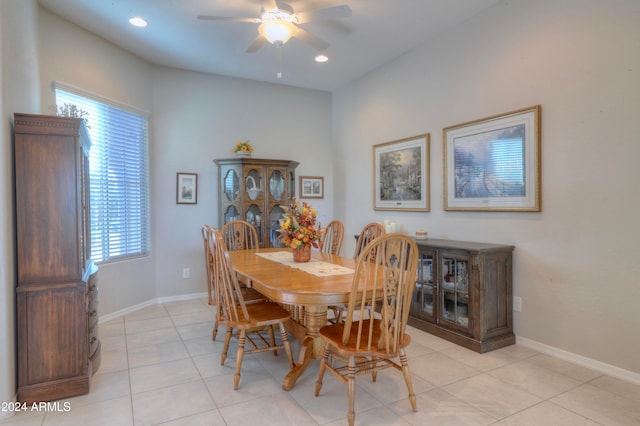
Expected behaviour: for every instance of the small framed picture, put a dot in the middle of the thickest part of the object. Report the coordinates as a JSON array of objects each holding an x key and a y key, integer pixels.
[
  {"x": 311, "y": 187},
  {"x": 187, "y": 188}
]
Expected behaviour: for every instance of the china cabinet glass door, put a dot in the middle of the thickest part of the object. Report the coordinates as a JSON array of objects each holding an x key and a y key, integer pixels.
[
  {"x": 253, "y": 184},
  {"x": 231, "y": 214},
  {"x": 275, "y": 199},
  {"x": 276, "y": 185},
  {"x": 231, "y": 190},
  {"x": 274, "y": 224},
  {"x": 231, "y": 185},
  {"x": 254, "y": 217}
]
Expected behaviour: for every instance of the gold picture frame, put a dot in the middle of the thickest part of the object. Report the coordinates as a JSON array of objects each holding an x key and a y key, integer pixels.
[
  {"x": 494, "y": 163},
  {"x": 401, "y": 174}
]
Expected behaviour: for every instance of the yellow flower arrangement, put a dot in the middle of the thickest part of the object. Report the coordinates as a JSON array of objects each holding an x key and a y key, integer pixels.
[
  {"x": 298, "y": 225},
  {"x": 243, "y": 146}
]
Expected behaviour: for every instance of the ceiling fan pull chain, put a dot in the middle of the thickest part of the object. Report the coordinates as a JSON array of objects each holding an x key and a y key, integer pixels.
[{"x": 279, "y": 73}]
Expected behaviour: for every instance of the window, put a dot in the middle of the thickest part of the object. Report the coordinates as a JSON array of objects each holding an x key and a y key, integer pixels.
[{"x": 118, "y": 175}]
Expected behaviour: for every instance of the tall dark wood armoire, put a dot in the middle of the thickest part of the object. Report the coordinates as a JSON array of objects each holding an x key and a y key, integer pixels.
[{"x": 58, "y": 345}]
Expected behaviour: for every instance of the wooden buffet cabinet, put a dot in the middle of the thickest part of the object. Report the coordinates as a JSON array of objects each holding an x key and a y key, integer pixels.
[
  {"x": 464, "y": 293},
  {"x": 58, "y": 344},
  {"x": 253, "y": 189}
]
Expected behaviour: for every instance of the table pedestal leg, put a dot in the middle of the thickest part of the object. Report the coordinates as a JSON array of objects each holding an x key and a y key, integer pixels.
[
  {"x": 312, "y": 345},
  {"x": 304, "y": 358}
]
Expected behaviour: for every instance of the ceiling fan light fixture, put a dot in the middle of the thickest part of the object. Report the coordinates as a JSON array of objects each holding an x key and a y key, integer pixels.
[
  {"x": 277, "y": 32},
  {"x": 321, "y": 58}
]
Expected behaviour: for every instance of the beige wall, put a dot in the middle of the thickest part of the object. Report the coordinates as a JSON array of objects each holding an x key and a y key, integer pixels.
[
  {"x": 199, "y": 117},
  {"x": 71, "y": 55},
  {"x": 194, "y": 119},
  {"x": 576, "y": 263}
]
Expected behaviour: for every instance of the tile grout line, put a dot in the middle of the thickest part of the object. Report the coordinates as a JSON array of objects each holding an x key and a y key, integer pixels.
[{"x": 126, "y": 348}]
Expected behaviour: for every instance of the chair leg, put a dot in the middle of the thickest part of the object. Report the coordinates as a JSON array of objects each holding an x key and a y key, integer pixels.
[
  {"x": 323, "y": 367},
  {"x": 272, "y": 336},
  {"x": 239, "y": 356},
  {"x": 286, "y": 344},
  {"x": 225, "y": 348},
  {"x": 336, "y": 315},
  {"x": 374, "y": 372},
  {"x": 407, "y": 378},
  {"x": 351, "y": 383},
  {"x": 215, "y": 330}
]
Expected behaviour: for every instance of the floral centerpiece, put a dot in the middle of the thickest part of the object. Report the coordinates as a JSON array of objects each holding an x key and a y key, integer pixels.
[
  {"x": 298, "y": 229},
  {"x": 243, "y": 148}
]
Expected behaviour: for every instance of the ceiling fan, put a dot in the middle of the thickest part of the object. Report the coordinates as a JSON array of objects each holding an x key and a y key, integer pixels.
[{"x": 279, "y": 22}]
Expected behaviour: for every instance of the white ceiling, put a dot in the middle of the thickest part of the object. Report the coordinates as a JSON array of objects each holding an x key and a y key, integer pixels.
[{"x": 377, "y": 32}]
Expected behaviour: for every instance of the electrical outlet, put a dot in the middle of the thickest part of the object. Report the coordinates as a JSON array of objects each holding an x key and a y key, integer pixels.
[
  {"x": 517, "y": 304},
  {"x": 186, "y": 273}
]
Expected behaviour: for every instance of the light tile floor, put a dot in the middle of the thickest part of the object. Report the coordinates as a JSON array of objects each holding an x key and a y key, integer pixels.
[{"x": 160, "y": 366}]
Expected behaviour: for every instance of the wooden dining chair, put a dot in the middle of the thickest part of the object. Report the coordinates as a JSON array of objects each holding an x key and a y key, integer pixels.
[
  {"x": 384, "y": 278},
  {"x": 240, "y": 235},
  {"x": 210, "y": 267},
  {"x": 369, "y": 232},
  {"x": 332, "y": 236},
  {"x": 208, "y": 260},
  {"x": 248, "y": 320},
  {"x": 236, "y": 232}
]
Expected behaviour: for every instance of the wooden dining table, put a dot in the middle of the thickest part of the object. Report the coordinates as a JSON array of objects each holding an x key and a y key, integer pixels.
[{"x": 305, "y": 295}]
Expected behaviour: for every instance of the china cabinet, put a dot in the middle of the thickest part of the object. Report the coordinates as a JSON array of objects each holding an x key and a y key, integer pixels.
[
  {"x": 56, "y": 293},
  {"x": 463, "y": 293},
  {"x": 254, "y": 190}
]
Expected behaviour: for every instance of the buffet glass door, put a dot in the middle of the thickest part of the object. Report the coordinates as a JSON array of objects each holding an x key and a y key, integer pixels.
[
  {"x": 423, "y": 302},
  {"x": 454, "y": 299}
]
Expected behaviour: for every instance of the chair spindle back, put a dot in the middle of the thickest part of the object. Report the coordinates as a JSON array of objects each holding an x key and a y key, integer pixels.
[
  {"x": 229, "y": 300},
  {"x": 332, "y": 237},
  {"x": 240, "y": 235},
  {"x": 208, "y": 260},
  {"x": 389, "y": 262},
  {"x": 370, "y": 232}
]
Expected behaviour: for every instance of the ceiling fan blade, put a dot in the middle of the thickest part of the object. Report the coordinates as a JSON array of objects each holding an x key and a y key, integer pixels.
[
  {"x": 309, "y": 38},
  {"x": 256, "y": 44},
  {"x": 227, "y": 18},
  {"x": 333, "y": 12}
]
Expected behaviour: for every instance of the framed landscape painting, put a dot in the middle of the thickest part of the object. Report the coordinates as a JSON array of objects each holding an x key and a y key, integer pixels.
[
  {"x": 401, "y": 174},
  {"x": 494, "y": 163}
]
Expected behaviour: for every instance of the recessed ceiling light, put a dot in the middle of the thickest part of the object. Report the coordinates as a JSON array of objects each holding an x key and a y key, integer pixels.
[
  {"x": 322, "y": 58},
  {"x": 137, "y": 21}
]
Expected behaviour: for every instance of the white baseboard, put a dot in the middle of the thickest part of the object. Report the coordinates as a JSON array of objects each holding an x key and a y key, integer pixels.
[
  {"x": 156, "y": 301},
  {"x": 182, "y": 297},
  {"x": 601, "y": 367}
]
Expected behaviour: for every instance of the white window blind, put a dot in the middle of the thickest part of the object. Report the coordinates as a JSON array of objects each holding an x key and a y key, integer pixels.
[{"x": 118, "y": 176}]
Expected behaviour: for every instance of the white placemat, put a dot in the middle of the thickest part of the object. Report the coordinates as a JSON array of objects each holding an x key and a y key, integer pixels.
[{"x": 315, "y": 267}]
